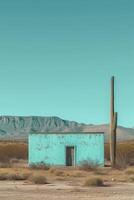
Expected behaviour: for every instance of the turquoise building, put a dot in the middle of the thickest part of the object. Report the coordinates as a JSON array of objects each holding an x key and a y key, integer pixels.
[{"x": 66, "y": 149}]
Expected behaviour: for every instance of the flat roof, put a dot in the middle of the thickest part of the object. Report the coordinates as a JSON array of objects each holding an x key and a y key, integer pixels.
[{"x": 91, "y": 132}]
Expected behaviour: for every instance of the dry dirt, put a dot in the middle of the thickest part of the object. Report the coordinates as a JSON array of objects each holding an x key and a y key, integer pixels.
[
  {"x": 19, "y": 190},
  {"x": 68, "y": 185}
]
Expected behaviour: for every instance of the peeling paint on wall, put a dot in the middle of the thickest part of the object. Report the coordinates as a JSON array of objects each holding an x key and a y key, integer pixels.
[{"x": 50, "y": 148}]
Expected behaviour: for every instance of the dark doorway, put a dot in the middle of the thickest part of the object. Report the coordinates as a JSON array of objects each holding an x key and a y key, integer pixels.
[{"x": 70, "y": 156}]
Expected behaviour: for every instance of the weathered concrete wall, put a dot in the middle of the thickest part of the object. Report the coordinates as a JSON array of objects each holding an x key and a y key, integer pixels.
[{"x": 51, "y": 148}]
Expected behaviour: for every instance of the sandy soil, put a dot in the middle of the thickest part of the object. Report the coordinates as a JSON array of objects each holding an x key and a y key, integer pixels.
[
  {"x": 20, "y": 190},
  {"x": 68, "y": 185}
]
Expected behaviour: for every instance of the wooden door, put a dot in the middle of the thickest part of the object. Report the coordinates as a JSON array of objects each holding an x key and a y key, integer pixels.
[{"x": 70, "y": 156}]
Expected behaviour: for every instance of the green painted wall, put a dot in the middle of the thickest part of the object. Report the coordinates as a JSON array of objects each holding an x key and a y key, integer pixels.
[{"x": 50, "y": 148}]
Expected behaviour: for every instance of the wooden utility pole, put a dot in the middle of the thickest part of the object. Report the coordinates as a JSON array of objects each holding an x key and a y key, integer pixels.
[{"x": 113, "y": 126}]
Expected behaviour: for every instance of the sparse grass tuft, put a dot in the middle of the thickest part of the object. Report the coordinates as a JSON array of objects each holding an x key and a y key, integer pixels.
[
  {"x": 5, "y": 165},
  {"x": 26, "y": 175},
  {"x": 59, "y": 173},
  {"x": 94, "y": 182},
  {"x": 131, "y": 178},
  {"x": 88, "y": 165},
  {"x": 14, "y": 160},
  {"x": 76, "y": 174},
  {"x": 52, "y": 170},
  {"x": 101, "y": 172},
  {"x": 38, "y": 179},
  {"x": 129, "y": 171},
  {"x": 13, "y": 175},
  {"x": 17, "y": 176},
  {"x": 3, "y": 176},
  {"x": 40, "y": 166}
]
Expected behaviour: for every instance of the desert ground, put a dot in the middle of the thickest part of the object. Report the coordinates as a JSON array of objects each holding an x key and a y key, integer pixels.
[
  {"x": 64, "y": 191},
  {"x": 18, "y": 181},
  {"x": 65, "y": 183}
]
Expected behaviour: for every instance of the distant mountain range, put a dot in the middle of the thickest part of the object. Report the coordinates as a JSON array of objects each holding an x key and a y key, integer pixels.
[{"x": 15, "y": 127}]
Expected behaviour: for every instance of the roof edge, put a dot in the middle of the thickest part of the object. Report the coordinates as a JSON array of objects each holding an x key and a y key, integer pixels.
[{"x": 91, "y": 132}]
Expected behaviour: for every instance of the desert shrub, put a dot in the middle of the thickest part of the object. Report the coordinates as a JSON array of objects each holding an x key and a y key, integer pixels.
[
  {"x": 18, "y": 175},
  {"x": 5, "y": 165},
  {"x": 26, "y": 175},
  {"x": 129, "y": 171},
  {"x": 13, "y": 150},
  {"x": 59, "y": 173},
  {"x": 38, "y": 179},
  {"x": 52, "y": 169},
  {"x": 124, "y": 149},
  {"x": 121, "y": 161},
  {"x": 15, "y": 176},
  {"x": 76, "y": 174},
  {"x": 88, "y": 165},
  {"x": 40, "y": 166},
  {"x": 100, "y": 172},
  {"x": 94, "y": 181},
  {"x": 131, "y": 178},
  {"x": 14, "y": 160},
  {"x": 3, "y": 176}
]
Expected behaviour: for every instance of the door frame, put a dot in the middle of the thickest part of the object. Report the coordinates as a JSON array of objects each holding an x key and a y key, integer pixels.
[{"x": 74, "y": 155}]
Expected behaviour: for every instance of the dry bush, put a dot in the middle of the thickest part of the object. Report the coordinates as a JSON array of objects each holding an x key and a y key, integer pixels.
[
  {"x": 17, "y": 176},
  {"x": 59, "y": 173},
  {"x": 94, "y": 182},
  {"x": 131, "y": 178},
  {"x": 100, "y": 172},
  {"x": 76, "y": 174},
  {"x": 40, "y": 166},
  {"x": 13, "y": 150},
  {"x": 52, "y": 170},
  {"x": 3, "y": 176},
  {"x": 14, "y": 176},
  {"x": 14, "y": 160},
  {"x": 5, "y": 165},
  {"x": 129, "y": 171},
  {"x": 121, "y": 161},
  {"x": 126, "y": 149},
  {"x": 59, "y": 178},
  {"x": 26, "y": 175},
  {"x": 38, "y": 179},
  {"x": 12, "y": 163},
  {"x": 88, "y": 165}
]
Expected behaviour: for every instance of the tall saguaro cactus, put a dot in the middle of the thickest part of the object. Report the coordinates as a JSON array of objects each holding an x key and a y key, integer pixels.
[{"x": 113, "y": 127}]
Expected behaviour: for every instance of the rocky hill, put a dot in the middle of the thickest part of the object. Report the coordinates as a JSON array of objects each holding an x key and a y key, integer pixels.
[{"x": 15, "y": 127}]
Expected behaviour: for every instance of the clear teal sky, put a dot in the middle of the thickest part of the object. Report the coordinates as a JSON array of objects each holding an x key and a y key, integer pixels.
[{"x": 57, "y": 57}]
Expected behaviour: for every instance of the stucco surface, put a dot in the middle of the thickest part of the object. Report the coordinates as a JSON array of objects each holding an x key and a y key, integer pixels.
[{"x": 51, "y": 148}]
